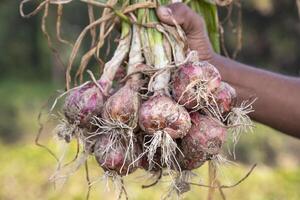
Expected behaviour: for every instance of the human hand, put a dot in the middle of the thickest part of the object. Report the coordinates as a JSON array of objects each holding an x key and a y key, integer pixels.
[{"x": 192, "y": 24}]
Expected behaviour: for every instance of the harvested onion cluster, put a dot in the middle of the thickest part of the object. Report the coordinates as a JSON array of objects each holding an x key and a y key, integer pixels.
[
  {"x": 174, "y": 130},
  {"x": 170, "y": 112}
]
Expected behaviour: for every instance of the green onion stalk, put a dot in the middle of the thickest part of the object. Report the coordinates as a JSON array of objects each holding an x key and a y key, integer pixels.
[{"x": 209, "y": 11}]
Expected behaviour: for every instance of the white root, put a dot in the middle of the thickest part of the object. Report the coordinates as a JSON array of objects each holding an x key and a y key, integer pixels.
[
  {"x": 219, "y": 160},
  {"x": 62, "y": 174},
  {"x": 66, "y": 131},
  {"x": 180, "y": 185},
  {"x": 117, "y": 181},
  {"x": 151, "y": 147},
  {"x": 205, "y": 99},
  {"x": 168, "y": 148},
  {"x": 239, "y": 122},
  {"x": 62, "y": 149}
]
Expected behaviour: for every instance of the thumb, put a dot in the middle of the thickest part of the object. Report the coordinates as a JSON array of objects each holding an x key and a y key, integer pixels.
[{"x": 191, "y": 22}]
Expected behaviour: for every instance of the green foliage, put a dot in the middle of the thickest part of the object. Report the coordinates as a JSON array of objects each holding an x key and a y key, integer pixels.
[
  {"x": 22, "y": 52},
  {"x": 19, "y": 107},
  {"x": 209, "y": 12}
]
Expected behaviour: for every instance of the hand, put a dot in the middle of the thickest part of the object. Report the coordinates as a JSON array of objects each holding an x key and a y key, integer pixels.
[
  {"x": 278, "y": 95},
  {"x": 193, "y": 26}
]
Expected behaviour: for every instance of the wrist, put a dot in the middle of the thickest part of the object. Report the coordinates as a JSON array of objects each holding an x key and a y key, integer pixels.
[
  {"x": 221, "y": 63},
  {"x": 213, "y": 58}
]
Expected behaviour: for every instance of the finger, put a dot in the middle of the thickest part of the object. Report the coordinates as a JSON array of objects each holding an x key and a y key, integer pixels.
[{"x": 191, "y": 22}]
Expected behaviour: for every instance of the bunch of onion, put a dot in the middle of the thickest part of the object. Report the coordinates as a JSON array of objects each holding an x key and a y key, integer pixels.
[
  {"x": 207, "y": 135},
  {"x": 111, "y": 155},
  {"x": 202, "y": 143},
  {"x": 182, "y": 118},
  {"x": 119, "y": 118},
  {"x": 84, "y": 103},
  {"x": 160, "y": 117}
]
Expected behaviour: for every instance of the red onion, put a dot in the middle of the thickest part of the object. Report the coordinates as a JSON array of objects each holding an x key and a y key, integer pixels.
[
  {"x": 82, "y": 104},
  {"x": 161, "y": 113},
  {"x": 164, "y": 120},
  {"x": 193, "y": 83},
  {"x": 225, "y": 97},
  {"x": 203, "y": 141},
  {"x": 113, "y": 157},
  {"x": 122, "y": 107}
]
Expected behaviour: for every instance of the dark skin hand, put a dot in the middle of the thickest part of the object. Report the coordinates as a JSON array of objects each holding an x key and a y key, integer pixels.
[{"x": 278, "y": 96}]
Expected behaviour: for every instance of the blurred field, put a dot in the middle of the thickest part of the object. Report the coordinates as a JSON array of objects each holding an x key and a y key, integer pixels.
[{"x": 25, "y": 168}]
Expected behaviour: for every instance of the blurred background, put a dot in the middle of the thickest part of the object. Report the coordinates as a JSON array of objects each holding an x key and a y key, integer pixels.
[{"x": 30, "y": 74}]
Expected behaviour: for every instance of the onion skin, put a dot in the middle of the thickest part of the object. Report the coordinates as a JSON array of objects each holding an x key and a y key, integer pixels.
[
  {"x": 194, "y": 157},
  {"x": 82, "y": 104},
  {"x": 225, "y": 96},
  {"x": 204, "y": 140},
  {"x": 186, "y": 74},
  {"x": 123, "y": 106},
  {"x": 161, "y": 113},
  {"x": 113, "y": 159},
  {"x": 189, "y": 73}
]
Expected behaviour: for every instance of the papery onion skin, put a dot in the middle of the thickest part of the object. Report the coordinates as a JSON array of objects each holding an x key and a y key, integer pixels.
[
  {"x": 204, "y": 140},
  {"x": 123, "y": 106},
  {"x": 225, "y": 97},
  {"x": 82, "y": 104},
  {"x": 161, "y": 113},
  {"x": 114, "y": 159}
]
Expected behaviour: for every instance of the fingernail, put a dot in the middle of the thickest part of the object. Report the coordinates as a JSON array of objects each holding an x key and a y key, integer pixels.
[{"x": 165, "y": 11}]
